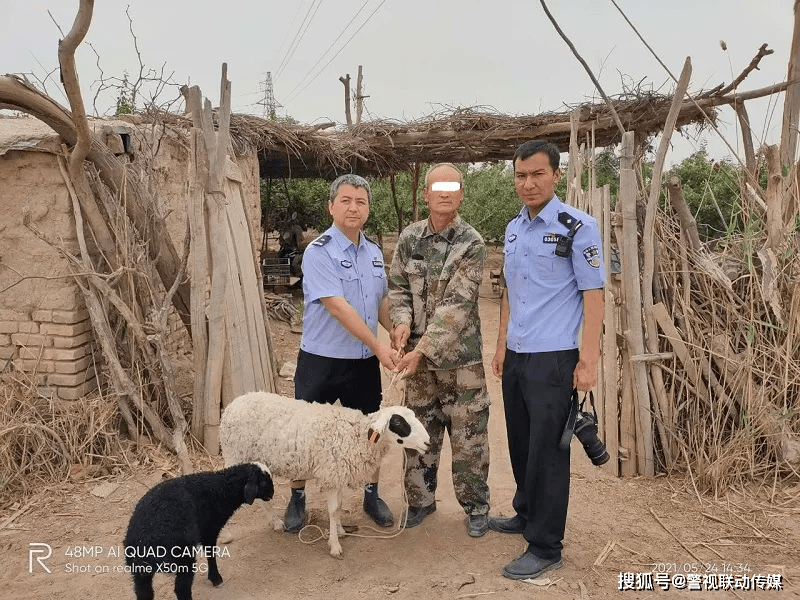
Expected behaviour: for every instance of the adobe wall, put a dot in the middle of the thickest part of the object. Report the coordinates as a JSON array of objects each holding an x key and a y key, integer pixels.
[{"x": 44, "y": 325}]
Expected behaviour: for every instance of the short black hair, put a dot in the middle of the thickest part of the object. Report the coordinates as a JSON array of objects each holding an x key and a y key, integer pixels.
[{"x": 531, "y": 147}]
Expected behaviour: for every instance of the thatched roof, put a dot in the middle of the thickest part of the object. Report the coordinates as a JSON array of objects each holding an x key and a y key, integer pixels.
[{"x": 462, "y": 135}]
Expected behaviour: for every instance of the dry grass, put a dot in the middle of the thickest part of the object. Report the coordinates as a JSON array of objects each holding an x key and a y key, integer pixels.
[
  {"x": 734, "y": 427},
  {"x": 42, "y": 440}
]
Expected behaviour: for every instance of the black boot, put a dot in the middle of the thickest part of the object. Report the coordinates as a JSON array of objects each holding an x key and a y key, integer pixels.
[
  {"x": 295, "y": 516},
  {"x": 375, "y": 507}
]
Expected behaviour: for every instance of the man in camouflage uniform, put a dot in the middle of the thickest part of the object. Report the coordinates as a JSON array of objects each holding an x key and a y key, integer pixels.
[{"x": 433, "y": 304}]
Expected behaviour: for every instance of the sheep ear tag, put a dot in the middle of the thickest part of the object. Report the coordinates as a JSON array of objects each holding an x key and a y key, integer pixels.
[{"x": 374, "y": 436}]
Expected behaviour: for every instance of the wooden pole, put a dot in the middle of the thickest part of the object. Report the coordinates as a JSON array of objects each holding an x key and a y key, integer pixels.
[
  {"x": 774, "y": 201},
  {"x": 346, "y": 83},
  {"x": 648, "y": 239},
  {"x": 359, "y": 97},
  {"x": 610, "y": 375},
  {"x": 791, "y": 103},
  {"x": 634, "y": 333}
]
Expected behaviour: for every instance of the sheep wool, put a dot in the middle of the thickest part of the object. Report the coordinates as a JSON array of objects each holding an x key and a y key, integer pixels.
[{"x": 339, "y": 447}]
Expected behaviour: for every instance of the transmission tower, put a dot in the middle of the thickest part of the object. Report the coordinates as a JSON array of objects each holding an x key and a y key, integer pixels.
[{"x": 269, "y": 105}]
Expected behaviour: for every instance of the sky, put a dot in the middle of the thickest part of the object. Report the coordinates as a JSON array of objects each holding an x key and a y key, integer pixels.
[{"x": 418, "y": 56}]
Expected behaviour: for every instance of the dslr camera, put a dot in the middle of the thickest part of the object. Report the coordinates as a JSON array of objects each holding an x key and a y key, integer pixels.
[
  {"x": 584, "y": 425},
  {"x": 586, "y": 432}
]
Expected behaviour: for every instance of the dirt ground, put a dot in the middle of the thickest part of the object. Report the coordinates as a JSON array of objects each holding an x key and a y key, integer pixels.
[{"x": 615, "y": 526}]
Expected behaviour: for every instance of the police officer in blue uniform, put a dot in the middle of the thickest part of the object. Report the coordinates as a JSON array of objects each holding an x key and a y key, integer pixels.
[
  {"x": 553, "y": 267},
  {"x": 345, "y": 294}
]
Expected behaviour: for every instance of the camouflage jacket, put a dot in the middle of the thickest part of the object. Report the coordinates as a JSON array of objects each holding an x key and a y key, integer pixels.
[{"x": 433, "y": 288}]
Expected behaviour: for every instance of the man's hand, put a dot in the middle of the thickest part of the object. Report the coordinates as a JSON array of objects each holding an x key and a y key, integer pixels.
[
  {"x": 409, "y": 363},
  {"x": 585, "y": 376},
  {"x": 399, "y": 336},
  {"x": 387, "y": 355},
  {"x": 497, "y": 362}
]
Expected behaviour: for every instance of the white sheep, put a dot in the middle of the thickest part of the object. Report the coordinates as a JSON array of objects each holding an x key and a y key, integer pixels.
[{"x": 339, "y": 447}]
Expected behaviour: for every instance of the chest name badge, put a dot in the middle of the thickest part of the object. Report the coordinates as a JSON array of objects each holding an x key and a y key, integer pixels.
[
  {"x": 550, "y": 238},
  {"x": 346, "y": 264},
  {"x": 377, "y": 263}
]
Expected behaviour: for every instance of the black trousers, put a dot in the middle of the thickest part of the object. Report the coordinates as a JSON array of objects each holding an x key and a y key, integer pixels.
[
  {"x": 356, "y": 382},
  {"x": 537, "y": 388}
]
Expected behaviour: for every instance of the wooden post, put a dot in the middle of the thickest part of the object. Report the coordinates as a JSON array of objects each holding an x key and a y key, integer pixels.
[
  {"x": 791, "y": 103},
  {"x": 648, "y": 242},
  {"x": 346, "y": 83},
  {"x": 359, "y": 97},
  {"x": 774, "y": 203},
  {"x": 610, "y": 376},
  {"x": 634, "y": 333},
  {"x": 237, "y": 358}
]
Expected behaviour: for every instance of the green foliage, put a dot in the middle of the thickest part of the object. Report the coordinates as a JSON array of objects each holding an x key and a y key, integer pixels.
[
  {"x": 125, "y": 104},
  {"x": 306, "y": 197},
  {"x": 490, "y": 201},
  {"x": 606, "y": 172},
  {"x": 382, "y": 213},
  {"x": 711, "y": 190}
]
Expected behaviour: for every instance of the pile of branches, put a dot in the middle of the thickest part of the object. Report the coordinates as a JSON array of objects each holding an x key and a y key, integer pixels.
[{"x": 733, "y": 408}]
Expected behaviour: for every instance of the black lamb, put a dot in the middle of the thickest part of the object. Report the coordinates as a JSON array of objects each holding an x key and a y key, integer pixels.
[{"x": 177, "y": 515}]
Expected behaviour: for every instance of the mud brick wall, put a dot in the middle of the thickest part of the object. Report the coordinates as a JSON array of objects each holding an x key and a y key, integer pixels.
[{"x": 55, "y": 348}]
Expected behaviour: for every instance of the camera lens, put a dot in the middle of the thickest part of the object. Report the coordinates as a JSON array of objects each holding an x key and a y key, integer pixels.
[{"x": 586, "y": 432}]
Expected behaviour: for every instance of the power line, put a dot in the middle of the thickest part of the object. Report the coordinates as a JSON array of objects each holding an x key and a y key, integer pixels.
[
  {"x": 319, "y": 60},
  {"x": 288, "y": 29},
  {"x": 302, "y": 35},
  {"x": 337, "y": 53},
  {"x": 286, "y": 54}
]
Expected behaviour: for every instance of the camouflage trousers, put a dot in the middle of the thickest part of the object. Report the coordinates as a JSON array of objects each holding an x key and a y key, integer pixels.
[{"x": 455, "y": 400}]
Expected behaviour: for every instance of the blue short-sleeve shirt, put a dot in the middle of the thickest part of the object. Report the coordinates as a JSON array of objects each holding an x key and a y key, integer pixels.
[
  {"x": 545, "y": 290},
  {"x": 334, "y": 266}
]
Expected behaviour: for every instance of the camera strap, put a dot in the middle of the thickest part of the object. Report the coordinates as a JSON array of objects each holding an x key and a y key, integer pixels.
[
  {"x": 566, "y": 437},
  {"x": 591, "y": 403}
]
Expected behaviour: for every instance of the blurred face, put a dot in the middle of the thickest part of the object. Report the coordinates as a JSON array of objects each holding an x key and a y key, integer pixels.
[
  {"x": 535, "y": 181},
  {"x": 349, "y": 209},
  {"x": 444, "y": 203}
]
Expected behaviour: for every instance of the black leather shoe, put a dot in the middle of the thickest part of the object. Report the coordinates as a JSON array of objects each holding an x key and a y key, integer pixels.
[
  {"x": 477, "y": 525},
  {"x": 416, "y": 514},
  {"x": 376, "y": 508},
  {"x": 515, "y": 524},
  {"x": 295, "y": 516},
  {"x": 530, "y": 566}
]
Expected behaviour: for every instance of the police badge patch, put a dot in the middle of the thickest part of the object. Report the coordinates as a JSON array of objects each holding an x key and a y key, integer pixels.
[{"x": 592, "y": 256}]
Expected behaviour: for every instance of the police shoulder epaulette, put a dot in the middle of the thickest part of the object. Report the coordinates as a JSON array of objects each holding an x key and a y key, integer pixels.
[
  {"x": 321, "y": 240},
  {"x": 566, "y": 219},
  {"x": 369, "y": 239}
]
